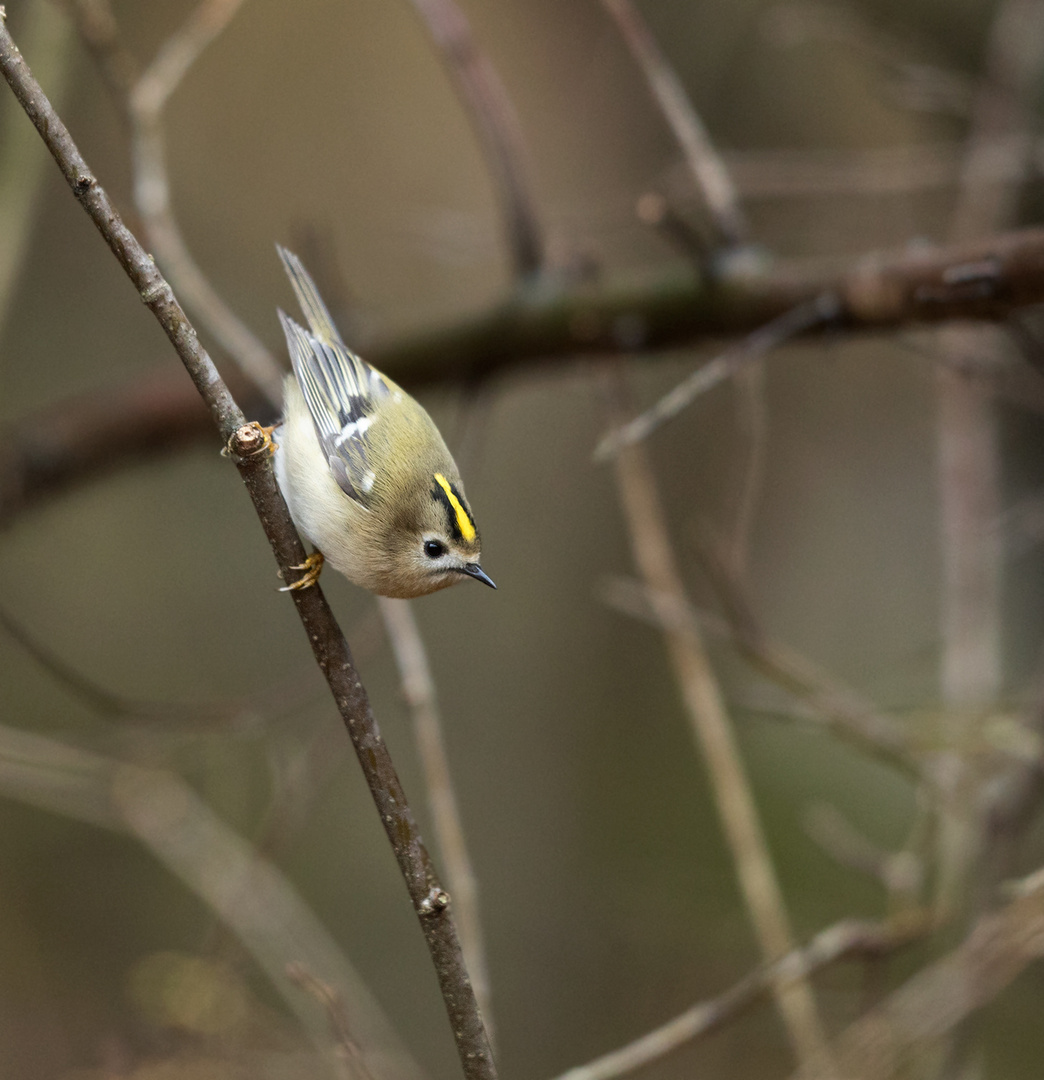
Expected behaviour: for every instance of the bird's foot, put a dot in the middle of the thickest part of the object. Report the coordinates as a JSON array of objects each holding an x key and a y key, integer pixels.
[{"x": 312, "y": 567}]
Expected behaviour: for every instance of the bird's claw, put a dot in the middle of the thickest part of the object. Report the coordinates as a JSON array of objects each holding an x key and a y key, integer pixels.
[{"x": 312, "y": 567}]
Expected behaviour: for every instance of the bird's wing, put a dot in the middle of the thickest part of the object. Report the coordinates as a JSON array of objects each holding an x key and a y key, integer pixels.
[{"x": 342, "y": 392}]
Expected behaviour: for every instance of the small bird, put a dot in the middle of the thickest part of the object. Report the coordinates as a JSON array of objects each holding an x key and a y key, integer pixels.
[{"x": 365, "y": 473}]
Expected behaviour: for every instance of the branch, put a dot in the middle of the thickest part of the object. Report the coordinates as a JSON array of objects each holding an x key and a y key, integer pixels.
[
  {"x": 246, "y": 891},
  {"x": 883, "y": 1042},
  {"x": 249, "y": 450},
  {"x": 142, "y": 98},
  {"x": 704, "y": 162},
  {"x": 984, "y": 281},
  {"x": 834, "y": 706},
  {"x": 144, "y": 103},
  {"x": 418, "y": 688},
  {"x": 845, "y": 939},
  {"x": 486, "y": 101},
  {"x": 798, "y": 320},
  {"x": 713, "y": 733}
]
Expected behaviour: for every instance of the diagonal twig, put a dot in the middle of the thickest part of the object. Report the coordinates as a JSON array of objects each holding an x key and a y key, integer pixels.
[
  {"x": 886, "y": 1041},
  {"x": 249, "y": 450},
  {"x": 822, "y": 309},
  {"x": 487, "y": 103},
  {"x": 714, "y": 735},
  {"x": 247, "y": 892},
  {"x": 143, "y": 97},
  {"x": 419, "y": 690},
  {"x": 704, "y": 162},
  {"x": 850, "y": 938},
  {"x": 838, "y": 708}
]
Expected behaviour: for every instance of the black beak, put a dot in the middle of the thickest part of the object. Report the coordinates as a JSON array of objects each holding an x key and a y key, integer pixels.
[{"x": 472, "y": 569}]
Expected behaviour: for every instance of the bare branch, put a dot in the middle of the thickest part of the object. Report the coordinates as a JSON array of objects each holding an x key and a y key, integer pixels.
[
  {"x": 705, "y": 164},
  {"x": 850, "y": 938},
  {"x": 145, "y": 103},
  {"x": 249, "y": 450},
  {"x": 983, "y": 281},
  {"x": 487, "y": 103},
  {"x": 969, "y": 467},
  {"x": 823, "y": 309},
  {"x": 712, "y": 730},
  {"x": 93, "y": 433},
  {"x": 925, "y": 1009},
  {"x": 249, "y": 894},
  {"x": 419, "y": 689},
  {"x": 968, "y": 455},
  {"x": 835, "y": 706},
  {"x": 143, "y": 97},
  {"x": 178, "y": 53}
]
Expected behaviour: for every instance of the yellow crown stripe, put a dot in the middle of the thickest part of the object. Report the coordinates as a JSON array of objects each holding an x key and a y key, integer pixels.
[{"x": 464, "y": 523}]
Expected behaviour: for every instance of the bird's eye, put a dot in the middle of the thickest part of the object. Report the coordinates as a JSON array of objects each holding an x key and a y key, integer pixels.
[{"x": 433, "y": 549}]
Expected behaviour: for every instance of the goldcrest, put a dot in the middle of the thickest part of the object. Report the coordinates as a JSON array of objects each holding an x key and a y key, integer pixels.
[{"x": 365, "y": 473}]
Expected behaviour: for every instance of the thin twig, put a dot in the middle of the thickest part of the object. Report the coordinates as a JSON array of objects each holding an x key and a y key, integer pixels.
[
  {"x": 824, "y": 308},
  {"x": 714, "y": 735},
  {"x": 247, "y": 892},
  {"x": 838, "y": 708},
  {"x": 172, "y": 719},
  {"x": 841, "y": 941},
  {"x": 419, "y": 689},
  {"x": 329, "y": 997},
  {"x": 143, "y": 97},
  {"x": 488, "y": 105},
  {"x": 987, "y": 280},
  {"x": 704, "y": 162},
  {"x": 145, "y": 104},
  {"x": 249, "y": 450},
  {"x": 910, "y": 1023},
  {"x": 900, "y": 873},
  {"x": 179, "y": 52},
  {"x": 721, "y": 200},
  {"x": 969, "y": 465}
]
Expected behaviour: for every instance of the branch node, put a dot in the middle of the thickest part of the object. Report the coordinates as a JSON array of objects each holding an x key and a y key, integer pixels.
[
  {"x": 84, "y": 183},
  {"x": 155, "y": 291},
  {"x": 435, "y": 903},
  {"x": 250, "y": 441}
]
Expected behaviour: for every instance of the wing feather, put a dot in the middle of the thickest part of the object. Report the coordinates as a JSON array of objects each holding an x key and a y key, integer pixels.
[
  {"x": 342, "y": 393},
  {"x": 315, "y": 311}
]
